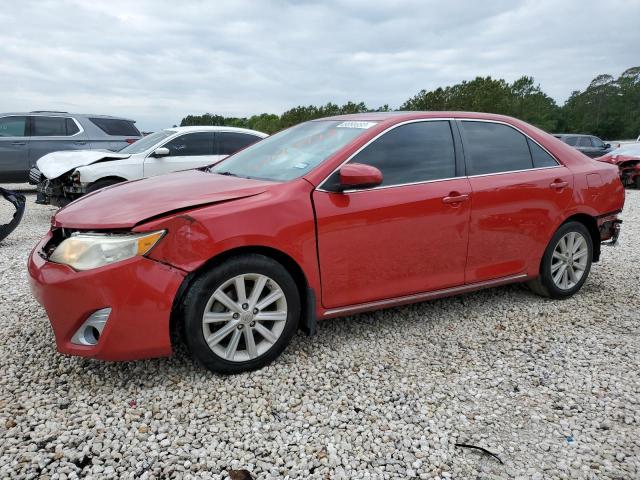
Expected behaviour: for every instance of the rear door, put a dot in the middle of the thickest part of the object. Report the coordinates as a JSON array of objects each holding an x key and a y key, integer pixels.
[
  {"x": 53, "y": 134},
  {"x": 190, "y": 150},
  {"x": 14, "y": 141},
  {"x": 405, "y": 236},
  {"x": 520, "y": 194}
]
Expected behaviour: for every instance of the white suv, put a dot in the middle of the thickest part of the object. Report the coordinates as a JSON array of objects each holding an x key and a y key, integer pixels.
[{"x": 65, "y": 176}]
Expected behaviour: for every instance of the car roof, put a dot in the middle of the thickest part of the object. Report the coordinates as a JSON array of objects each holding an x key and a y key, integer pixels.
[
  {"x": 58, "y": 113},
  {"x": 572, "y": 135},
  {"x": 400, "y": 116},
  {"x": 216, "y": 128}
]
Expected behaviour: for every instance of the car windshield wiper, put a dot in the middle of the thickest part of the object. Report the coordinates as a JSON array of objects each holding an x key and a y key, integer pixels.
[{"x": 225, "y": 173}]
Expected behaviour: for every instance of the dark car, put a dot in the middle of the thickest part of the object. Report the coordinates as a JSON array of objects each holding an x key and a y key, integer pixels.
[
  {"x": 25, "y": 137},
  {"x": 590, "y": 145}
]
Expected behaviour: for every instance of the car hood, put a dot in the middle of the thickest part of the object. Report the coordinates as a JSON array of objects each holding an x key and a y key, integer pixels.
[
  {"x": 127, "y": 204},
  {"x": 54, "y": 164}
]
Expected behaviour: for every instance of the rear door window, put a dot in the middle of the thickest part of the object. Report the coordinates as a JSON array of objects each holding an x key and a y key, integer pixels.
[
  {"x": 72, "y": 126},
  {"x": 494, "y": 148},
  {"x": 116, "y": 127},
  {"x": 191, "y": 144},
  {"x": 411, "y": 153},
  {"x": 13, "y": 126},
  {"x": 48, "y": 126},
  {"x": 231, "y": 142}
]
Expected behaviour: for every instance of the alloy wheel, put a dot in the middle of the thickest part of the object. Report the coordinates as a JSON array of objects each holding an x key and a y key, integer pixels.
[
  {"x": 244, "y": 317},
  {"x": 569, "y": 260}
]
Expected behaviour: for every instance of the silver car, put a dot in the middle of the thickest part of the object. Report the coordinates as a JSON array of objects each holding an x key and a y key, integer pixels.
[{"x": 25, "y": 137}]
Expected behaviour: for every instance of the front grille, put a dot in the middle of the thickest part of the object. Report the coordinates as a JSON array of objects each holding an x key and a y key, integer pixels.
[{"x": 35, "y": 177}]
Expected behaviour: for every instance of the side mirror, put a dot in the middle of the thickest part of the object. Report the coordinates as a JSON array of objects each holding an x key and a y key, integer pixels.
[
  {"x": 358, "y": 175},
  {"x": 607, "y": 145},
  {"x": 161, "y": 152}
]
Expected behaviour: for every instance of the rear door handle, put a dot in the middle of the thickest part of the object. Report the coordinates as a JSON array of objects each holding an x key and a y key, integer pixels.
[
  {"x": 80, "y": 143},
  {"x": 453, "y": 198},
  {"x": 558, "y": 184},
  {"x": 18, "y": 143}
]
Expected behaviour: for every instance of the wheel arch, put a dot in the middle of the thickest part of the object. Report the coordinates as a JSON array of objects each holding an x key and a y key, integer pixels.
[
  {"x": 308, "y": 320},
  {"x": 109, "y": 177},
  {"x": 591, "y": 225}
]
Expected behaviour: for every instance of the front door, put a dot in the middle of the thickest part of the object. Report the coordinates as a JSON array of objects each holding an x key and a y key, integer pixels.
[
  {"x": 408, "y": 235},
  {"x": 14, "y": 166},
  {"x": 191, "y": 150}
]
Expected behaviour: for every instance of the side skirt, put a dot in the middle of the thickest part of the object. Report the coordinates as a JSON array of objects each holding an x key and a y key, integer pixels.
[{"x": 420, "y": 297}]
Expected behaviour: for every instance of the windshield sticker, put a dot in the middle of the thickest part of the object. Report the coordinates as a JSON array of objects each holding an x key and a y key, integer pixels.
[
  {"x": 363, "y": 125},
  {"x": 301, "y": 165}
]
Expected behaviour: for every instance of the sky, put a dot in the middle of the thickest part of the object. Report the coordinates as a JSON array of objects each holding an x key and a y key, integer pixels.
[{"x": 157, "y": 61}]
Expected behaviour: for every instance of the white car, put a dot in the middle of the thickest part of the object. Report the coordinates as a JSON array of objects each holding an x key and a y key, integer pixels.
[{"x": 64, "y": 176}]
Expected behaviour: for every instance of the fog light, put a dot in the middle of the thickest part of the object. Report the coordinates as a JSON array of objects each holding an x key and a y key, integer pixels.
[{"x": 90, "y": 331}]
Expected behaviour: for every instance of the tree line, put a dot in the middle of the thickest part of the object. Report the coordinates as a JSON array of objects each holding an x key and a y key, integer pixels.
[{"x": 609, "y": 107}]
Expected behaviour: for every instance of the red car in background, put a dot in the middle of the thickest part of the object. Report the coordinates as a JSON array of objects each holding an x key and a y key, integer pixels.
[
  {"x": 328, "y": 218},
  {"x": 627, "y": 159}
]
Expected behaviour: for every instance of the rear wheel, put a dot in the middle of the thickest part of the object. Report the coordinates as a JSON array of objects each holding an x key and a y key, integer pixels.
[
  {"x": 242, "y": 314},
  {"x": 107, "y": 182},
  {"x": 566, "y": 262}
]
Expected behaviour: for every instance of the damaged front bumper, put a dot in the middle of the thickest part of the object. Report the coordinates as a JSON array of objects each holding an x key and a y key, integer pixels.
[
  {"x": 117, "y": 312},
  {"x": 56, "y": 192}
]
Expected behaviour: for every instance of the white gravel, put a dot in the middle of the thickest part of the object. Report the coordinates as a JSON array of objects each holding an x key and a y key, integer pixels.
[{"x": 551, "y": 387}]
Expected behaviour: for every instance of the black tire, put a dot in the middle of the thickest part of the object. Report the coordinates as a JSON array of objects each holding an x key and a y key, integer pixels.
[
  {"x": 637, "y": 182},
  {"x": 200, "y": 292},
  {"x": 544, "y": 284},
  {"x": 107, "y": 182}
]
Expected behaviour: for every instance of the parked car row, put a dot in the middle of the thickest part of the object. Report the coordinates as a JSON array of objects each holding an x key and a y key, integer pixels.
[
  {"x": 327, "y": 218},
  {"x": 25, "y": 137},
  {"x": 66, "y": 175}
]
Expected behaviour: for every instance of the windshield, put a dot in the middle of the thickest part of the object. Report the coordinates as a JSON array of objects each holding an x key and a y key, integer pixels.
[
  {"x": 630, "y": 149},
  {"x": 292, "y": 152},
  {"x": 145, "y": 143}
]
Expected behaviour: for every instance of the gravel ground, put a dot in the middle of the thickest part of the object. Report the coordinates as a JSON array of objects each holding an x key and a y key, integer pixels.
[{"x": 551, "y": 387}]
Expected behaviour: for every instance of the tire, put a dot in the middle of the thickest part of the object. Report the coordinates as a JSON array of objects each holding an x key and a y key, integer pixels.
[
  {"x": 230, "y": 326},
  {"x": 637, "y": 182},
  {"x": 553, "y": 282},
  {"x": 107, "y": 182}
]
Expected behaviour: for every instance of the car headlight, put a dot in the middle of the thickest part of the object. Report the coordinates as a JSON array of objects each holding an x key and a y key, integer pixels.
[{"x": 84, "y": 251}]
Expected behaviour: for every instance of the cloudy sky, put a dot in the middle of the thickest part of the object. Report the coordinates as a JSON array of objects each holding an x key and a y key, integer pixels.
[{"x": 157, "y": 61}]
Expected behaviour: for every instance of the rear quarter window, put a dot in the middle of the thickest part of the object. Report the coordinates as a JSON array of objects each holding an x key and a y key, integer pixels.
[{"x": 116, "y": 127}]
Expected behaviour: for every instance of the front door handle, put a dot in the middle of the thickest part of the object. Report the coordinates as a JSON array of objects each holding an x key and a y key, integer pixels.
[
  {"x": 18, "y": 143},
  {"x": 558, "y": 184},
  {"x": 80, "y": 143},
  {"x": 455, "y": 197}
]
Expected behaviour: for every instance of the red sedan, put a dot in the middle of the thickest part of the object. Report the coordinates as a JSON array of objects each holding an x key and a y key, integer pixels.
[{"x": 328, "y": 218}]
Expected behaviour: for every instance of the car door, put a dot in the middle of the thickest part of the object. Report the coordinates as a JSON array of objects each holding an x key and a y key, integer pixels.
[
  {"x": 14, "y": 143},
  {"x": 54, "y": 134},
  {"x": 409, "y": 234},
  {"x": 599, "y": 147},
  {"x": 520, "y": 194},
  {"x": 190, "y": 150},
  {"x": 228, "y": 143}
]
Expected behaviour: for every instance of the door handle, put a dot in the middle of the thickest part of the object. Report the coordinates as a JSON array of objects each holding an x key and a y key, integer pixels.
[
  {"x": 18, "y": 143},
  {"x": 558, "y": 184},
  {"x": 80, "y": 143},
  {"x": 454, "y": 197}
]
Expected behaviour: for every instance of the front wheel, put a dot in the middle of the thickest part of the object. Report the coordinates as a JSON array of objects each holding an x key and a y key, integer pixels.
[
  {"x": 102, "y": 184},
  {"x": 566, "y": 262},
  {"x": 242, "y": 314}
]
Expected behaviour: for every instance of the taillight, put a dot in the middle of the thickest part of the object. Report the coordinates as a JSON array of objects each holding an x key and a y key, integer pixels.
[{"x": 131, "y": 140}]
